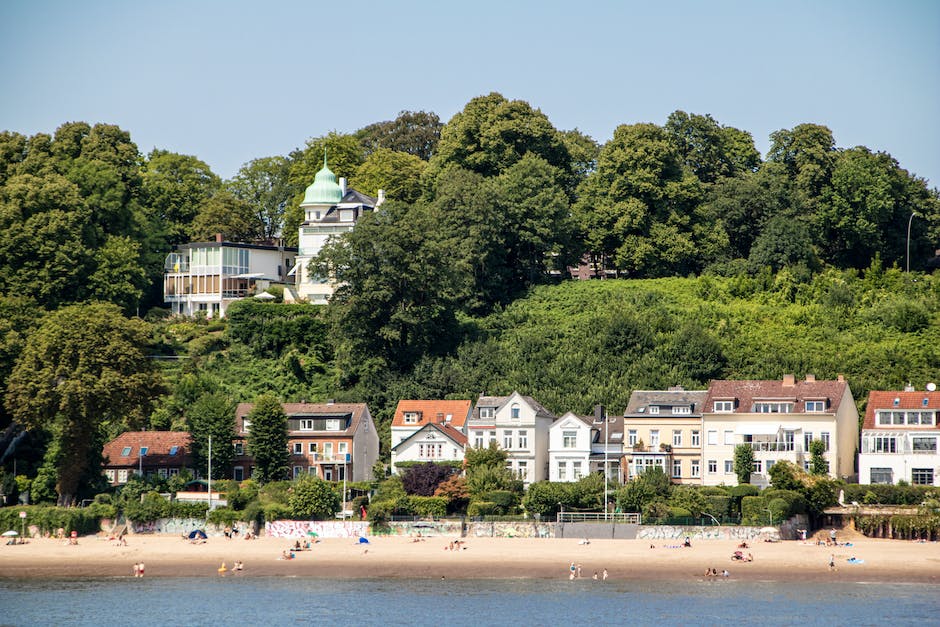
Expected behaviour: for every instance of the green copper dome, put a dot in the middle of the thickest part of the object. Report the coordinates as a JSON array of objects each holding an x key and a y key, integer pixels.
[{"x": 325, "y": 190}]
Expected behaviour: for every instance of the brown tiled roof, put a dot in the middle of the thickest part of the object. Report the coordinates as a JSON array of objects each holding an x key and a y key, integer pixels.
[
  {"x": 906, "y": 400},
  {"x": 433, "y": 411},
  {"x": 158, "y": 445},
  {"x": 746, "y": 393},
  {"x": 293, "y": 410}
]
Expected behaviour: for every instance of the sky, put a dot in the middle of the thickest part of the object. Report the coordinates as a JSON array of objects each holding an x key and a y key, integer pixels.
[{"x": 230, "y": 80}]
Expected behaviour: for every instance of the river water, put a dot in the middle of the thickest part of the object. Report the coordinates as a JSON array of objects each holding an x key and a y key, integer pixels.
[{"x": 306, "y": 601}]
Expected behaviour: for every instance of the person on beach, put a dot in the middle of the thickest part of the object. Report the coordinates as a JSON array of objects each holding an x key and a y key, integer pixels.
[
  {"x": 572, "y": 570},
  {"x": 604, "y": 576},
  {"x": 832, "y": 562},
  {"x": 222, "y": 570},
  {"x": 594, "y": 577},
  {"x": 832, "y": 536},
  {"x": 140, "y": 569},
  {"x": 136, "y": 569}
]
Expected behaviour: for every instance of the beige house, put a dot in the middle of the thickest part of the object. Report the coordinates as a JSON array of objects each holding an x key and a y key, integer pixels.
[
  {"x": 778, "y": 420},
  {"x": 664, "y": 428}
]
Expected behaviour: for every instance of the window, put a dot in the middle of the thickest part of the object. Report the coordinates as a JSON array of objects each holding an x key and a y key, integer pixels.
[
  {"x": 654, "y": 409},
  {"x": 110, "y": 475},
  {"x": 758, "y": 464},
  {"x": 523, "y": 440},
  {"x": 770, "y": 464},
  {"x": 696, "y": 438},
  {"x": 922, "y": 476},
  {"x": 729, "y": 437},
  {"x": 478, "y": 439},
  {"x": 654, "y": 437},
  {"x": 924, "y": 444},
  {"x": 122, "y": 476},
  {"x": 298, "y": 448},
  {"x": 246, "y": 426},
  {"x": 514, "y": 412},
  {"x": 882, "y": 475},
  {"x": 696, "y": 468},
  {"x": 125, "y": 451},
  {"x": 507, "y": 439},
  {"x": 522, "y": 472},
  {"x": 712, "y": 438},
  {"x": 773, "y": 408},
  {"x": 682, "y": 410},
  {"x": 569, "y": 439},
  {"x": 712, "y": 466},
  {"x": 824, "y": 436},
  {"x": 312, "y": 448},
  {"x": 807, "y": 439},
  {"x": 342, "y": 448},
  {"x": 238, "y": 473},
  {"x": 631, "y": 437},
  {"x": 729, "y": 467},
  {"x": 492, "y": 437},
  {"x": 143, "y": 450},
  {"x": 174, "y": 450},
  {"x": 677, "y": 437},
  {"x": 411, "y": 417},
  {"x": 724, "y": 406},
  {"x": 239, "y": 448},
  {"x": 887, "y": 418},
  {"x": 298, "y": 471},
  {"x": 815, "y": 406},
  {"x": 676, "y": 468},
  {"x": 577, "y": 472},
  {"x": 562, "y": 470},
  {"x": 328, "y": 451},
  {"x": 306, "y": 424},
  {"x": 332, "y": 424},
  {"x": 486, "y": 412}
]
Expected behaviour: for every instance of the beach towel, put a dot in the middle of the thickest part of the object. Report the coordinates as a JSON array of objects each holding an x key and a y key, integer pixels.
[{"x": 855, "y": 560}]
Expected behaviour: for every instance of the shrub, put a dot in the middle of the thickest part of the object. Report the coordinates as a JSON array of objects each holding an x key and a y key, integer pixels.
[
  {"x": 481, "y": 508},
  {"x": 428, "y": 506},
  {"x": 276, "y": 511},
  {"x": 504, "y": 500}
]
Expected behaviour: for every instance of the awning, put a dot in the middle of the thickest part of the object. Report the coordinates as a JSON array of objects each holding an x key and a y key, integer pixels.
[{"x": 759, "y": 428}]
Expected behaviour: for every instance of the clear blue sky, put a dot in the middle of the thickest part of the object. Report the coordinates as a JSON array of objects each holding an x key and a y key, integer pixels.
[{"x": 230, "y": 81}]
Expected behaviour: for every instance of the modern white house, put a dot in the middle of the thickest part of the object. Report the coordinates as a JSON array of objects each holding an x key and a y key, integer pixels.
[
  {"x": 519, "y": 425},
  {"x": 429, "y": 431},
  {"x": 580, "y": 445},
  {"x": 664, "y": 428},
  {"x": 899, "y": 437},
  {"x": 208, "y": 276},
  {"x": 329, "y": 211},
  {"x": 778, "y": 420}
]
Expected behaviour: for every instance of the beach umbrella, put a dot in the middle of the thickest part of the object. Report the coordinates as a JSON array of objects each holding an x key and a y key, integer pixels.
[
  {"x": 313, "y": 534},
  {"x": 10, "y": 534}
]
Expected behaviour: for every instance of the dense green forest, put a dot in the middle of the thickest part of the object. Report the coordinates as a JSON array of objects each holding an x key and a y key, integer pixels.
[{"x": 729, "y": 265}]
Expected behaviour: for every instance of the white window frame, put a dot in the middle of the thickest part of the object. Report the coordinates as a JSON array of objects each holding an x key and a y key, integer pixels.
[
  {"x": 632, "y": 437},
  {"x": 654, "y": 409},
  {"x": 569, "y": 439},
  {"x": 696, "y": 471},
  {"x": 677, "y": 437},
  {"x": 654, "y": 438},
  {"x": 713, "y": 466},
  {"x": 682, "y": 410},
  {"x": 724, "y": 407},
  {"x": 712, "y": 437},
  {"x": 729, "y": 437},
  {"x": 814, "y": 407},
  {"x": 696, "y": 437},
  {"x": 729, "y": 467},
  {"x": 676, "y": 468}
]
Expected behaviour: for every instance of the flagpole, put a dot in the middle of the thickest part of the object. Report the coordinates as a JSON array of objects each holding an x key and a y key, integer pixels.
[{"x": 210, "y": 473}]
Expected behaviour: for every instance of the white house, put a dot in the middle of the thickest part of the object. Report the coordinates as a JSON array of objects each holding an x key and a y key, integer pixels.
[
  {"x": 429, "y": 431},
  {"x": 519, "y": 425},
  {"x": 208, "y": 276},
  {"x": 778, "y": 420},
  {"x": 578, "y": 445},
  {"x": 329, "y": 211},
  {"x": 899, "y": 438}
]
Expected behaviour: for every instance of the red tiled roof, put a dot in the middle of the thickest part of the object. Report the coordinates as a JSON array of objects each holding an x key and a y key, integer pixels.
[
  {"x": 158, "y": 443},
  {"x": 745, "y": 393},
  {"x": 433, "y": 411},
  {"x": 906, "y": 400}
]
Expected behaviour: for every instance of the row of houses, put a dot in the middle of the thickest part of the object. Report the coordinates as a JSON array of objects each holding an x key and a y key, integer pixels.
[{"x": 690, "y": 434}]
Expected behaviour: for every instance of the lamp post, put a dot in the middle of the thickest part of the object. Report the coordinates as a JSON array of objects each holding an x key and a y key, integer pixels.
[
  {"x": 909, "y": 220},
  {"x": 210, "y": 475},
  {"x": 771, "y": 512}
]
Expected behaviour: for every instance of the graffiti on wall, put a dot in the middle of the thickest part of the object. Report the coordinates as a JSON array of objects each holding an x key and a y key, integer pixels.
[
  {"x": 670, "y": 532},
  {"x": 428, "y": 529},
  {"x": 322, "y": 528},
  {"x": 174, "y": 526},
  {"x": 510, "y": 530}
]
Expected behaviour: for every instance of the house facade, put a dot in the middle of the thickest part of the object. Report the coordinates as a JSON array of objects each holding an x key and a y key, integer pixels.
[
  {"x": 579, "y": 445},
  {"x": 329, "y": 211},
  {"x": 429, "y": 431},
  {"x": 900, "y": 438},
  {"x": 162, "y": 453},
  {"x": 333, "y": 441},
  {"x": 519, "y": 425},
  {"x": 664, "y": 428},
  {"x": 208, "y": 276},
  {"x": 778, "y": 420}
]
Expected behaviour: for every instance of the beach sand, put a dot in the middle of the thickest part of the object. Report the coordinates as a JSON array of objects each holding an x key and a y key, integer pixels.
[{"x": 497, "y": 558}]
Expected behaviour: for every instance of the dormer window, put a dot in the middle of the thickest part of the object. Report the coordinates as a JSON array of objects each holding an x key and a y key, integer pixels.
[
  {"x": 654, "y": 409},
  {"x": 682, "y": 410},
  {"x": 486, "y": 412},
  {"x": 411, "y": 417},
  {"x": 724, "y": 406},
  {"x": 773, "y": 408},
  {"x": 306, "y": 424},
  {"x": 332, "y": 424},
  {"x": 815, "y": 406},
  {"x": 514, "y": 412},
  {"x": 246, "y": 426}
]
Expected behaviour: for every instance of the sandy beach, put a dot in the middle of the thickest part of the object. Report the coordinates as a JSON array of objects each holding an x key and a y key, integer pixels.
[{"x": 400, "y": 557}]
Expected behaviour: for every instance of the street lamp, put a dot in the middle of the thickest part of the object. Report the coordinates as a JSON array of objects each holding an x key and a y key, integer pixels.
[
  {"x": 771, "y": 512},
  {"x": 909, "y": 220}
]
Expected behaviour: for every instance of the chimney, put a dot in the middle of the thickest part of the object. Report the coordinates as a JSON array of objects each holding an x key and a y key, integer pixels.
[
  {"x": 330, "y": 401},
  {"x": 342, "y": 184},
  {"x": 840, "y": 379},
  {"x": 811, "y": 378},
  {"x": 381, "y": 198},
  {"x": 789, "y": 379},
  {"x": 598, "y": 413},
  {"x": 218, "y": 238},
  {"x": 909, "y": 387}
]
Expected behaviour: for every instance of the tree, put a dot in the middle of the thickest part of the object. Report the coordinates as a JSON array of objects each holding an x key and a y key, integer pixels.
[
  {"x": 783, "y": 242},
  {"x": 174, "y": 187},
  {"x": 424, "y": 479},
  {"x": 398, "y": 174},
  {"x": 264, "y": 184},
  {"x": 709, "y": 150},
  {"x": 229, "y": 215},
  {"x": 267, "y": 439},
  {"x": 312, "y": 498},
  {"x": 785, "y": 475},
  {"x": 412, "y": 132},
  {"x": 743, "y": 462},
  {"x": 818, "y": 464},
  {"x": 807, "y": 152},
  {"x": 213, "y": 415},
  {"x": 486, "y": 470},
  {"x": 83, "y": 374}
]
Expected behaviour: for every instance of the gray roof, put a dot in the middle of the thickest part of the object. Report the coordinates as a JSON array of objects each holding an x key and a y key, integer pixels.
[
  {"x": 499, "y": 401},
  {"x": 641, "y": 400}
]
